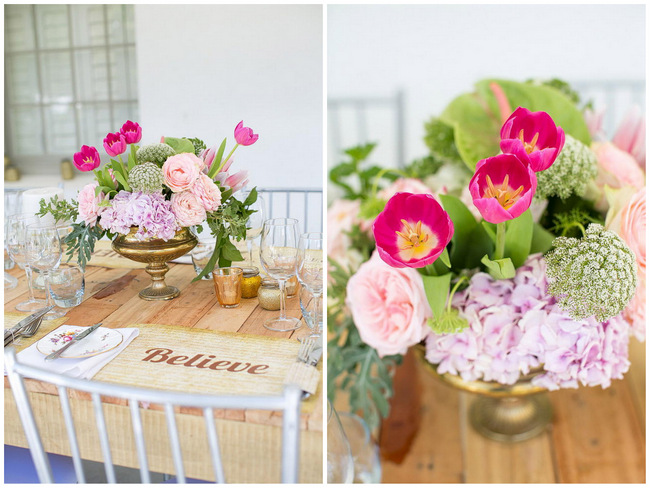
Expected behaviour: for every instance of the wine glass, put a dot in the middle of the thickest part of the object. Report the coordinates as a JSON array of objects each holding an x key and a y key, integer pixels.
[
  {"x": 278, "y": 256},
  {"x": 16, "y": 245},
  {"x": 309, "y": 270},
  {"x": 340, "y": 465},
  {"x": 254, "y": 224},
  {"x": 43, "y": 253}
]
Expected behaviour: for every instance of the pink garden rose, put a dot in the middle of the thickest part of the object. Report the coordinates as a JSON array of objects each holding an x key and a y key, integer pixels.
[
  {"x": 627, "y": 217},
  {"x": 188, "y": 209},
  {"x": 207, "y": 192},
  {"x": 388, "y": 305},
  {"x": 616, "y": 169},
  {"x": 341, "y": 217},
  {"x": 89, "y": 208},
  {"x": 181, "y": 171}
]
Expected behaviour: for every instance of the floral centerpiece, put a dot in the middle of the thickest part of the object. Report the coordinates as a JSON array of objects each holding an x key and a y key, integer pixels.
[
  {"x": 153, "y": 193},
  {"x": 515, "y": 249}
]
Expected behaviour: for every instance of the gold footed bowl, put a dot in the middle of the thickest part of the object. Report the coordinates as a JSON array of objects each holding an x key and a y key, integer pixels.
[
  {"x": 505, "y": 413},
  {"x": 156, "y": 253}
]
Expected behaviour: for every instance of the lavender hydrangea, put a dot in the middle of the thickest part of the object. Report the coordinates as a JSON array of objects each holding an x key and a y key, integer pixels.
[
  {"x": 516, "y": 327},
  {"x": 151, "y": 213}
]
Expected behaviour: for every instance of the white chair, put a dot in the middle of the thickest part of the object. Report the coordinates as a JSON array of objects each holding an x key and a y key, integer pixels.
[
  {"x": 289, "y": 403},
  {"x": 304, "y": 204}
]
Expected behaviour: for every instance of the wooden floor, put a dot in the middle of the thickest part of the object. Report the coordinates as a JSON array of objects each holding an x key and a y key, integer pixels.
[{"x": 597, "y": 436}]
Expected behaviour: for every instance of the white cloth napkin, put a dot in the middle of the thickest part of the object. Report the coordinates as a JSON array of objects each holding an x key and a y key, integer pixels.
[
  {"x": 77, "y": 368},
  {"x": 184, "y": 259}
]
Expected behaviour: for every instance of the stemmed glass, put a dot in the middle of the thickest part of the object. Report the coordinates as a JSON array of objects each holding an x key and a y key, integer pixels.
[
  {"x": 16, "y": 247},
  {"x": 279, "y": 256},
  {"x": 309, "y": 270},
  {"x": 254, "y": 224},
  {"x": 340, "y": 465},
  {"x": 43, "y": 253}
]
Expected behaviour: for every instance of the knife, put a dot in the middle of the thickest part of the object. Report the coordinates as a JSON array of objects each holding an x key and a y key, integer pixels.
[
  {"x": 75, "y": 339},
  {"x": 27, "y": 320}
]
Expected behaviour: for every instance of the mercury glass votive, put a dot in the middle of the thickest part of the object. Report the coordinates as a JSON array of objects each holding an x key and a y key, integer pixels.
[
  {"x": 250, "y": 282},
  {"x": 227, "y": 285}
]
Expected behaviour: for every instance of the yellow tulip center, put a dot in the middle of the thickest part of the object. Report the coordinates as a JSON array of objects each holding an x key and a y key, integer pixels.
[
  {"x": 505, "y": 195},
  {"x": 415, "y": 241},
  {"x": 88, "y": 160},
  {"x": 529, "y": 146}
]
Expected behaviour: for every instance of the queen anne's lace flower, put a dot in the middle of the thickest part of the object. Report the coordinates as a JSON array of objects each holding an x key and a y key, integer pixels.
[
  {"x": 595, "y": 275},
  {"x": 147, "y": 178},
  {"x": 516, "y": 326},
  {"x": 154, "y": 153},
  {"x": 573, "y": 169}
]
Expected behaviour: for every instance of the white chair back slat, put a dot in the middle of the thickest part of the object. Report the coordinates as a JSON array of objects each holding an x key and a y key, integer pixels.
[
  {"x": 288, "y": 403},
  {"x": 304, "y": 204}
]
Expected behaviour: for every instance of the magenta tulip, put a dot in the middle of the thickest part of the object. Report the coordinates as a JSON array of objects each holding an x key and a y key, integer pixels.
[
  {"x": 132, "y": 132},
  {"x": 244, "y": 135},
  {"x": 412, "y": 231},
  {"x": 114, "y": 144},
  {"x": 533, "y": 137},
  {"x": 87, "y": 159},
  {"x": 502, "y": 187}
]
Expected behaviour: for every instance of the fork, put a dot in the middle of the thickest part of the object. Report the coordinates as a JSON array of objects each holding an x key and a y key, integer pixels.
[
  {"x": 306, "y": 346},
  {"x": 28, "y": 331}
]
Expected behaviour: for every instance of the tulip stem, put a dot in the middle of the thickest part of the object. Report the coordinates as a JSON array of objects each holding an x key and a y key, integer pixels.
[
  {"x": 380, "y": 175},
  {"x": 501, "y": 241},
  {"x": 225, "y": 160}
]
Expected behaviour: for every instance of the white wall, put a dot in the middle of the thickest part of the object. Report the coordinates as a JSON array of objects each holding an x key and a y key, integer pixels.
[
  {"x": 203, "y": 68},
  {"x": 435, "y": 52}
]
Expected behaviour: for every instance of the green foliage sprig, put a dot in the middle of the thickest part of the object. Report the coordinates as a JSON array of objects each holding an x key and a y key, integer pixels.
[
  {"x": 61, "y": 210},
  {"x": 352, "y": 365}
]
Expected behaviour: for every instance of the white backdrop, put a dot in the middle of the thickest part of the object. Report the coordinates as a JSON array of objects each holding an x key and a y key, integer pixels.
[
  {"x": 203, "y": 68},
  {"x": 435, "y": 52}
]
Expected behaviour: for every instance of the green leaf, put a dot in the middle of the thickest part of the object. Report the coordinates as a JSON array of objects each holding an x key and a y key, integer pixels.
[
  {"x": 132, "y": 157},
  {"x": 491, "y": 230},
  {"x": 519, "y": 234},
  {"x": 180, "y": 145},
  {"x": 542, "y": 239},
  {"x": 209, "y": 266},
  {"x": 251, "y": 198},
  {"x": 481, "y": 244},
  {"x": 371, "y": 207},
  {"x": 361, "y": 152},
  {"x": 500, "y": 269},
  {"x": 437, "y": 289},
  {"x": 230, "y": 252},
  {"x": 444, "y": 258},
  {"x": 464, "y": 225},
  {"x": 216, "y": 164},
  {"x": 122, "y": 180}
]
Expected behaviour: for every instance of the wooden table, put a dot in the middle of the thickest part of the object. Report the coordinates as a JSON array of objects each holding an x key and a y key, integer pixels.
[
  {"x": 597, "y": 436},
  {"x": 112, "y": 298}
]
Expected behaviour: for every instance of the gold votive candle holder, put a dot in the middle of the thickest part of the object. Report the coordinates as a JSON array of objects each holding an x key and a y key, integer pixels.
[
  {"x": 250, "y": 282},
  {"x": 228, "y": 286},
  {"x": 269, "y": 294}
]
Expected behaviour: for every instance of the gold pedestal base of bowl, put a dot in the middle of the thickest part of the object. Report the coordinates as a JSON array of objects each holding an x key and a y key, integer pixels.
[
  {"x": 504, "y": 413},
  {"x": 156, "y": 253}
]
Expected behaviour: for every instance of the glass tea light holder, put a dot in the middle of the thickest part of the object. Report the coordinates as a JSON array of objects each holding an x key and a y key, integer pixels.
[
  {"x": 67, "y": 285},
  {"x": 201, "y": 254},
  {"x": 228, "y": 286}
]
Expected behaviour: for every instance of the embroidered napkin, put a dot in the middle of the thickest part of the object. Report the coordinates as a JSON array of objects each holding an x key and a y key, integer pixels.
[{"x": 84, "y": 368}]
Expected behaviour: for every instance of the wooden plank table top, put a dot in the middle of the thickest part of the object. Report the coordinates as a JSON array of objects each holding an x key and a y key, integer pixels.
[
  {"x": 597, "y": 436},
  {"x": 111, "y": 297}
]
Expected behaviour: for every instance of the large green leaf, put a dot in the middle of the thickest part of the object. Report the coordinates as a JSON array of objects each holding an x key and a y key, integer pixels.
[
  {"x": 542, "y": 240},
  {"x": 519, "y": 234},
  {"x": 437, "y": 289},
  {"x": 499, "y": 269},
  {"x": 180, "y": 145},
  {"x": 464, "y": 224}
]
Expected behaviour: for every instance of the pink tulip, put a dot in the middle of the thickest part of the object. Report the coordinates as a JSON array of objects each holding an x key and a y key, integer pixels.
[
  {"x": 207, "y": 155},
  {"x": 114, "y": 144},
  {"x": 502, "y": 187},
  {"x": 237, "y": 181},
  {"x": 630, "y": 136},
  {"x": 244, "y": 135},
  {"x": 132, "y": 132},
  {"x": 533, "y": 137},
  {"x": 87, "y": 159},
  {"x": 412, "y": 231}
]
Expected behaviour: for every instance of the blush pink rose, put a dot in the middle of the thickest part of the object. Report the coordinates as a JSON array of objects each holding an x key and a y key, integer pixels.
[
  {"x": 616, "y": 169},
  {"x": 181, "y": 171},
  {"x": 207, "y": 192},
  {"x": 188, "y": 209},
  {"x": 388, "y": 305},
  {"x": 89, "y": 208},
  {"x": 341, "y": 216}
]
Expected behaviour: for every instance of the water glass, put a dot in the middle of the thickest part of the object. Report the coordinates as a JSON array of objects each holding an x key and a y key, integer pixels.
[
  {"x": 311, "y": 310},
  {"x": 201, "y": 254},
  {"x": 43, "y": 253},
  {"x": 227, "y": 285},
  {"x": 67, "y": 285},
  {"x": 340, "y": 466},
  {"x": 365, "y": 453}
]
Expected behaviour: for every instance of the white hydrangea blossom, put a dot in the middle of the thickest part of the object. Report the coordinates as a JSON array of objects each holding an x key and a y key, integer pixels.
[
  {"x": 574, "y": 168},
  {"x": 595, "y": 275},
  {"x": 147, "y": 178}
]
